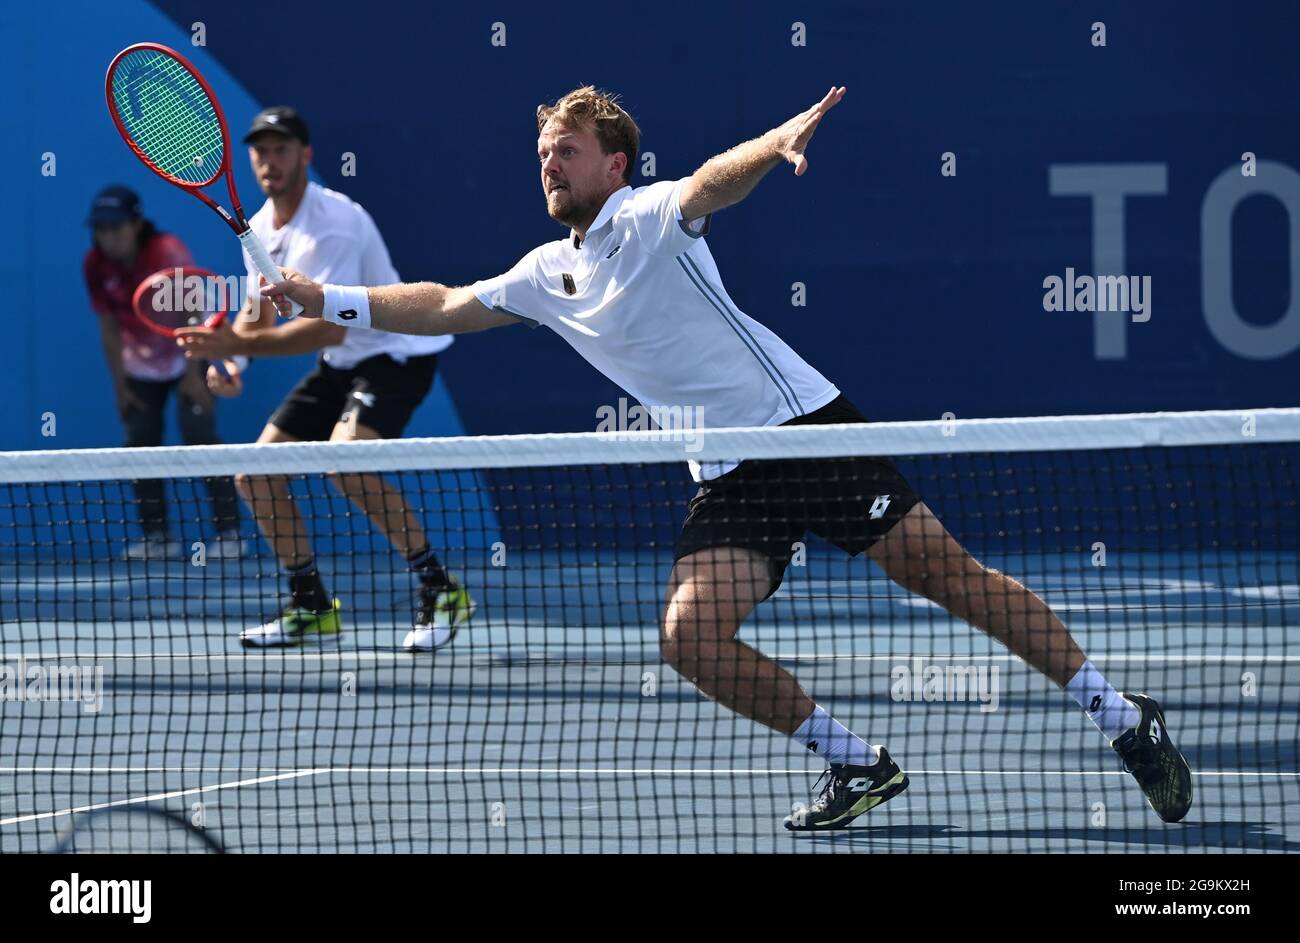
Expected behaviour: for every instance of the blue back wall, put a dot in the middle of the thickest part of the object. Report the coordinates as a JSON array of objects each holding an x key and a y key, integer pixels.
[{"x": 924, "y": 292}]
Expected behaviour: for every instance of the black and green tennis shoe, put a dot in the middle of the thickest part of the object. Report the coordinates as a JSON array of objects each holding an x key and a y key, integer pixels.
[
  {"x": 441, "y": 613},
  {"x": 294, "y": 626},
  {"x": 849, "y": 792},
  {"x": 1150, "y": 755}
]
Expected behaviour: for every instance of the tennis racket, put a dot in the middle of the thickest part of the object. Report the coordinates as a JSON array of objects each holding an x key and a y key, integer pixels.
[
  {"x": 174, "y": 298},
  {"x": 168, "y": 115}
]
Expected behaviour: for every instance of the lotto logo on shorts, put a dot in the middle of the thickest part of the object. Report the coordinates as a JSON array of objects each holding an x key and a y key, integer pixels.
[{"x": 878, "y": 506}]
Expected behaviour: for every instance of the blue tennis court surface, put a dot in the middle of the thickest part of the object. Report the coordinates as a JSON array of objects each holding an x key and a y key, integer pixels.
[{"x": 552, "y": 723}]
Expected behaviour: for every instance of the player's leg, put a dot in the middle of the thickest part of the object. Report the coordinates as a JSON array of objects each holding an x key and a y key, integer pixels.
[
  {"x": 919, "y": 554},
  {"x": 710, "y": 594},
  {"x": 274, "y": 509},
  {"x": 383, "y": 395},
  {"x": 443, "y": 604},
  {"x": 198, "y": 421},
  {"x": 731, "y": 554},
  {"x": 310, "y": 610},
  {"x": 307, "y": 414},
  {"x": 382, "y": 503},
  {"x": 143, "y": 426}
]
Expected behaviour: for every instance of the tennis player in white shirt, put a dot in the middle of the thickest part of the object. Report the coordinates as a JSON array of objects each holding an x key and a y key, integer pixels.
[
  {"x": 634, "y": 289},
  {"x": 366, "y": 385}
]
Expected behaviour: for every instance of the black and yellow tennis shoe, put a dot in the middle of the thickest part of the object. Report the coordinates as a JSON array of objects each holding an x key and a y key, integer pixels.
[
  {"x": 1150, "y": 755},
  {"x": 849, "y": 792},
  {"x": 293, "y": 626},
  {"x": 441, "y": 613}
]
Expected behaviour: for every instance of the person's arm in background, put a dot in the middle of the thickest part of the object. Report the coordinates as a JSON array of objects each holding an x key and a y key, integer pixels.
[
  {"x": 262, "y": 337},
  {"x": 334, "y": 252},
  {"x": 111, "y": 336},
  {"x": 249, "y": 336},
  {"x": 255, "y": 333},
  {"x": 168, "y": 251},
  {"x": 194, "y": 386},
  {"x": 230, "y": 382}
]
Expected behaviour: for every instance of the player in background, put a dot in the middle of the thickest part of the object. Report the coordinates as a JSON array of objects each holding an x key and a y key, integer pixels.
[
  {"x": 146, "y": 367},
  {"x": 366, "y": 384}
]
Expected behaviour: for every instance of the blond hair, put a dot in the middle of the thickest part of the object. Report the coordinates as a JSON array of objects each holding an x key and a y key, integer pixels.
[{"x": 589, "y": 108}]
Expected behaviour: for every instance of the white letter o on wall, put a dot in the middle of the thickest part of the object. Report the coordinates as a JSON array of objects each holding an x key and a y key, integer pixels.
[{"x": 1258, "y": 342}]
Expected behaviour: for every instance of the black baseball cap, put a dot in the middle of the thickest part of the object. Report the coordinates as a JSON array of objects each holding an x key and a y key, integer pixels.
[
  {"x": 114, "y": 205},
  {"x": 280, "y": 119}
]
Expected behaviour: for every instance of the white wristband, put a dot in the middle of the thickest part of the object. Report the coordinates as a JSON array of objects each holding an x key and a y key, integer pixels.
[
  {"x": 347, "y": 305},
  {"x": 240, "y": 362}
]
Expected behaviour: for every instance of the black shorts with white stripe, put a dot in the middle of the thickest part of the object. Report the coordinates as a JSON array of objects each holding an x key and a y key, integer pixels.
[
  {"x": 381, "y": 392},
  {"x": 770, "y": 505}
]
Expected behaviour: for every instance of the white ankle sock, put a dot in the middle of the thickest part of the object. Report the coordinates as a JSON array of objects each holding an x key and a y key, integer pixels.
[
  {"x": 1106, "y": 707},
  {"x": 834, "y": 742}
]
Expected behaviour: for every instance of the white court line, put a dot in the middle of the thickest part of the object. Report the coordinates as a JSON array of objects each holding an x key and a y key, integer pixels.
[
  {"x": 502, "y": 770},
  {"x": 35, "y": 816},
  {"x": 286, "y": 773}
]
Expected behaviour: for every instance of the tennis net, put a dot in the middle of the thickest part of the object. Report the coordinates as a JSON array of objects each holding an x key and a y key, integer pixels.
[{"x": 1167, "y": 543}]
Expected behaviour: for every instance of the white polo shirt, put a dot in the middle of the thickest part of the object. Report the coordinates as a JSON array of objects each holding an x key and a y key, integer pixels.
[
  {"x": 332, "y": 240},
  {"x": 642, "y": 301}
]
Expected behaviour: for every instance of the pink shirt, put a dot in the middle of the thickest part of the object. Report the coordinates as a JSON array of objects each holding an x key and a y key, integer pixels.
[{"x": 145, "y": 354}]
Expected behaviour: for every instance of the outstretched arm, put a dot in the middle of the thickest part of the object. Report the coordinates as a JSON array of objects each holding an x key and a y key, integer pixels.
[
  {"x": 417, "y": 308},
  {"x": 258, "y": 336},
  {"x": 728, "y": 178}
]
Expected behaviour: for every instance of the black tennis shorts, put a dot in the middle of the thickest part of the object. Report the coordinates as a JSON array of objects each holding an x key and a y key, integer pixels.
[
  {"x": 381, "y": 392},
  {"x": 768, "y": 505}
]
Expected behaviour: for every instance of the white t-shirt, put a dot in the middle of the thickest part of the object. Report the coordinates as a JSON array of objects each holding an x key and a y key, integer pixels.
[
  {"x": 642, "y": 301},
  {"x": 332, "y": 239}
]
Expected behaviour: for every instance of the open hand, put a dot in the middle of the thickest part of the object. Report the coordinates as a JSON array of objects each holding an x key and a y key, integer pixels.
[{"x": 792, "y": 137}]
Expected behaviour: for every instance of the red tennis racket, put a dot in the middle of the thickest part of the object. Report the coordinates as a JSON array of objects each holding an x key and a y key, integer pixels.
[
  {"x": 180, "y": 297},
  {"x": 168, "y": 115}
]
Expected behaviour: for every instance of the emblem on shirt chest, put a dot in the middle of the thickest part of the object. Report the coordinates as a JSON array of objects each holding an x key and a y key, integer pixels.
[{"x": 570, "y": 287}]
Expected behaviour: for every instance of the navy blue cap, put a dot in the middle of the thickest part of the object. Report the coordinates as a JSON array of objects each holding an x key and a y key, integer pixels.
[{"x": 114, "y": 205}]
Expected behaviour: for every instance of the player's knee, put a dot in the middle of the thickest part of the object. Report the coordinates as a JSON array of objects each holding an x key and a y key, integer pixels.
[
  {"x": 679, "y": 645},
  {"x": 693, "y": 648},
  {"x": 670, "y": 650},
  {"x": 670, "y": 640}
]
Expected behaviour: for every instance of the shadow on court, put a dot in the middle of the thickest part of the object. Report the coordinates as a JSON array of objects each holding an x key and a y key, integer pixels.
[{"x": 1188, "y": 836}]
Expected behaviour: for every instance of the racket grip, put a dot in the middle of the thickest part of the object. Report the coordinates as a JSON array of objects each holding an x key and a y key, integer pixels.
[{"x": 270, "y": 271}]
